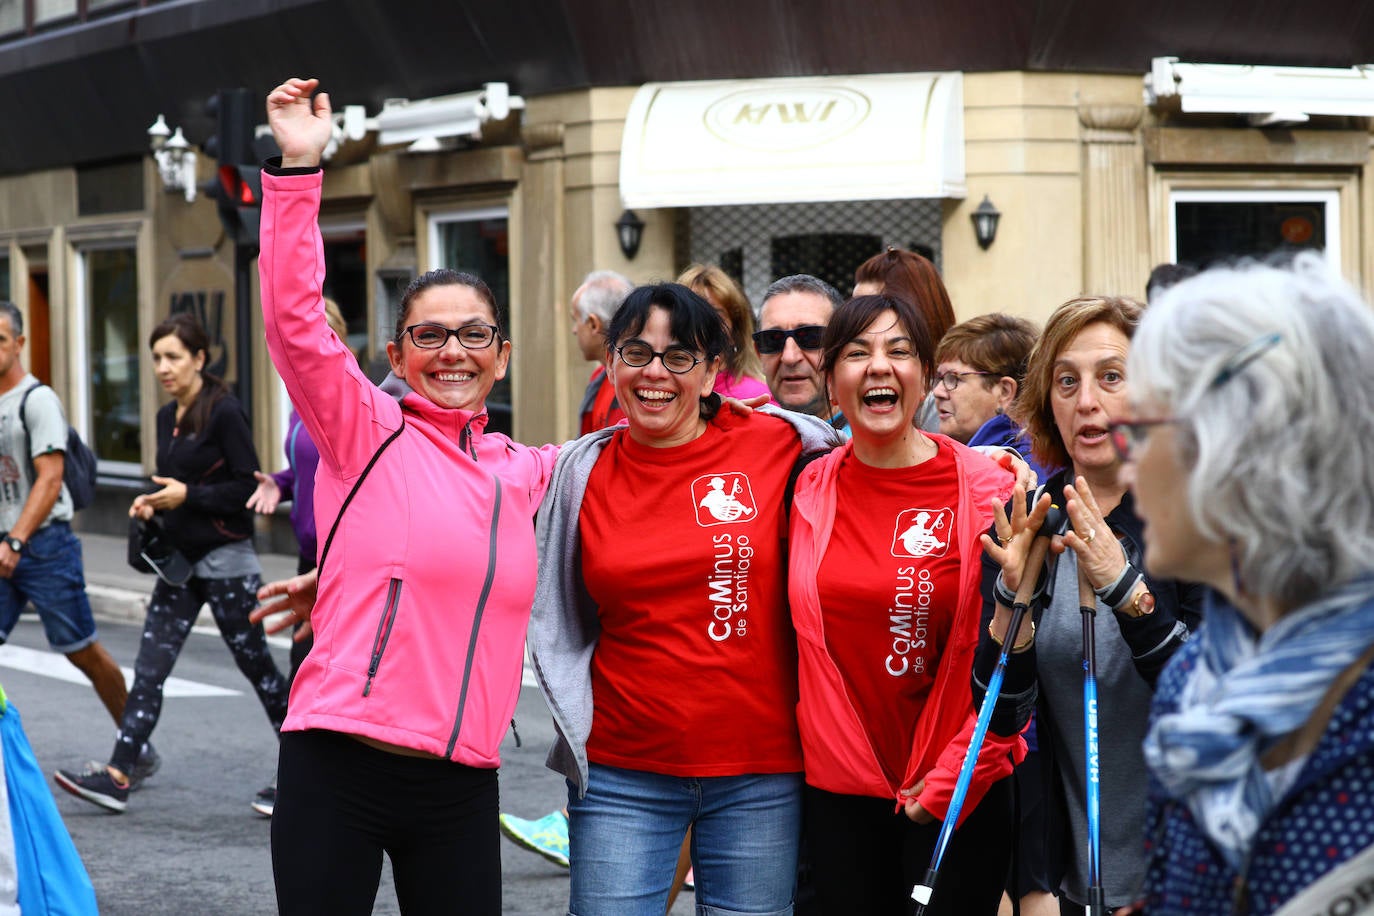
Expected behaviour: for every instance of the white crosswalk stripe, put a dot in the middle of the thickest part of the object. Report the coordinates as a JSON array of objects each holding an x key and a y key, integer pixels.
[{"x": 50, "y": 664}]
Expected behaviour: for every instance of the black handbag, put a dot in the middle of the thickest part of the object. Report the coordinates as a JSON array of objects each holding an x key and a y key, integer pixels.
[{"x": 151, "y": 551}]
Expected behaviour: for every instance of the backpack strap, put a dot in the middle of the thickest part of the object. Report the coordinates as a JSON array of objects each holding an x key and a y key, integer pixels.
[
  {"x": 28, "y": 440},
  {"x": 354, "y": 492}
]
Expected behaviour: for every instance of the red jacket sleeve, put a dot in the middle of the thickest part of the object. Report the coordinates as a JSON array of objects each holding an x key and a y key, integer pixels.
[{"x": 997, "y": 758}]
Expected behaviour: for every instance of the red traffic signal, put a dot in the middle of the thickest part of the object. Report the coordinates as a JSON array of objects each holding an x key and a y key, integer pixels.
[{"x": 238, "y": 189}]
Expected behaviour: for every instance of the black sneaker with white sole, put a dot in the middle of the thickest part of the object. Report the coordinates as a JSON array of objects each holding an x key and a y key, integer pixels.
[
  {"x": 95, "y": 786},
  {"x": 266, "y": 799}
]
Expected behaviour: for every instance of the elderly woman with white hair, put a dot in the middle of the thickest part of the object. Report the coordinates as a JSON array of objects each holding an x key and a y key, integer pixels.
[{"x": 1250, "y": 457}]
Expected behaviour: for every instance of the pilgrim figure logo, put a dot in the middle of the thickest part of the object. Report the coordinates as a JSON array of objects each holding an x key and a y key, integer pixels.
[
  {"x": 922, "y": 532},
  {"x": 721, "y": 499}
]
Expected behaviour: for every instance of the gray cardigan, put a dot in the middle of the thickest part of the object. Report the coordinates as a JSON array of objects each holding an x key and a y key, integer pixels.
[{"x": 565, "y": 624}]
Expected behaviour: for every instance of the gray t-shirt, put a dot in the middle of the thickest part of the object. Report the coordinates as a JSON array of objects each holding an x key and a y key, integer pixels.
[
  {"x": 1123, "y": 710},
  {"x": 47, "y": 433},
  {"x": 229, "y": 561}
]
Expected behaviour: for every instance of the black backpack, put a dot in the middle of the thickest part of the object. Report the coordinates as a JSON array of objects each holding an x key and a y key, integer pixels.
[{"x": 78, "y": 468}]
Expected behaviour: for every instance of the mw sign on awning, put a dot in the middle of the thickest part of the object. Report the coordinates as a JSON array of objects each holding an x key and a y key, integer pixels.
[{"x": 793, "y": 140}]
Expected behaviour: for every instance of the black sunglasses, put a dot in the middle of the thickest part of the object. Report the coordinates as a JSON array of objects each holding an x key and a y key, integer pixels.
[{"x": 808, "y": 337}]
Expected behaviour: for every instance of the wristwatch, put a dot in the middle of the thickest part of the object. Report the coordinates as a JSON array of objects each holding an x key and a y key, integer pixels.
[{"x": 14, "y": 543}]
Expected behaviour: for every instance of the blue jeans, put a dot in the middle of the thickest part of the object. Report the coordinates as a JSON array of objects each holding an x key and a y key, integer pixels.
[
  {"x": 624, "y": 837},
  {"x": 49, "y": 574}
]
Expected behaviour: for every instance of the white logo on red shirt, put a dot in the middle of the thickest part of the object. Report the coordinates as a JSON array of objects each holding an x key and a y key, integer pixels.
[
  {"x": 922, "y": 532},
  {"x": 721, "y": 499}
]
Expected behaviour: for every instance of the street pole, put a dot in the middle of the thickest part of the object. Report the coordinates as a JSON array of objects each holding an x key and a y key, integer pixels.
[{"x": 243, "y": 326}]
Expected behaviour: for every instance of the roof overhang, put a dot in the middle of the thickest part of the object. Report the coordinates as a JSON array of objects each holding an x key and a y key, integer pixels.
[
  {"x": 873, "y": 137},
  {"x": 1268, "y": 95}
]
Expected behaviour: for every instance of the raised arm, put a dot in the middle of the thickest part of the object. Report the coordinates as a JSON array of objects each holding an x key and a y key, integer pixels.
[{"x": 346, "y": 415}]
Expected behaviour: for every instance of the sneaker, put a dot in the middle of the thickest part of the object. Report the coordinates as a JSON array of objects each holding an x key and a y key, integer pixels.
[
  {"x": 689, "y": 882},
  {"x": 266, "y": 799},
  {"x": 95, "y": 786},
  {"x": 148, "y": 763},
  {"x": 547, "y": 836}
]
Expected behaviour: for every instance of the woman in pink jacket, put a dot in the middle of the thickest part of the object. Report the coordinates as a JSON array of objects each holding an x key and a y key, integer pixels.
[
  {"x": 883, "y": 581},
  {"x": 396, "y": 716}
]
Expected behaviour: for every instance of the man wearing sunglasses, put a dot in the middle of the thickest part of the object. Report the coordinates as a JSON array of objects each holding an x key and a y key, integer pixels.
[
  {"x": 592, "y": 307},
  {"x": 795, "y": 311}
]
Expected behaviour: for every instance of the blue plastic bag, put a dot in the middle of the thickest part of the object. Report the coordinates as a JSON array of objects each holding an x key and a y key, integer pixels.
[{"x": 52, "y": 879}]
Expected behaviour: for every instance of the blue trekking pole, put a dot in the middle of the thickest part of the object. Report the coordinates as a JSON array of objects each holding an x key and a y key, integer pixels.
[
  {"x": 1054, "y": 521},
  {"x": 1087, "y": 605}
]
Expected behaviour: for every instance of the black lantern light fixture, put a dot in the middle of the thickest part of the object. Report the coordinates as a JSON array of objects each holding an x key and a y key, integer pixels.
[
  {"x": 985, "y": 219},
  {"x": 630, "y": 230}
]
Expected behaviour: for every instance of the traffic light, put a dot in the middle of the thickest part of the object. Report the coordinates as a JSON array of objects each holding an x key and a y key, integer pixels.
[
  {"x": 240, "y": 202},
  {"x": 237, "y": 188}
]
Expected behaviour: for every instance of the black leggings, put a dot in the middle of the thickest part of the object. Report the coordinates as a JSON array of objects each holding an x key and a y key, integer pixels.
[
  {"x": 866, "y": 859},
  {"x": 342, "y": 803},
  {"x": 171, "y": 613}
]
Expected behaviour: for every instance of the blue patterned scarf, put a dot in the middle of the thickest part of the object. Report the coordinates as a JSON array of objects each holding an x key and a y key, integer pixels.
[{"x": 1245, "y": 693}]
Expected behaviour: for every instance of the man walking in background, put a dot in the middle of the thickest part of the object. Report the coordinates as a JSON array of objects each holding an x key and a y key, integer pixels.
[{"x": 40, "y": 557}]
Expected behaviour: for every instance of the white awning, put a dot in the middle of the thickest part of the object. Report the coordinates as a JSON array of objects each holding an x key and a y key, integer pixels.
[
  {"x": 1269, "y": 95},
  {"x": 794, "y": 140}
]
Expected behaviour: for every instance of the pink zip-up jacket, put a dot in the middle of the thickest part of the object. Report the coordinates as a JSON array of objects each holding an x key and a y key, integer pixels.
[
  {"x": 426, "y": 591},
  {"x": 838, "y": 754}
]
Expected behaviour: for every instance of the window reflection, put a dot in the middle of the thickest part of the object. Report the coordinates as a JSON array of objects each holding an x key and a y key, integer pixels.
[
  {"x": 114, "y": 353},
  {"x": 480, "y": 245}
]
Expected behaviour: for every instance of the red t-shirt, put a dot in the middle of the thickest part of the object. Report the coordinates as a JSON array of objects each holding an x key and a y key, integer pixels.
[
  {"x": 684, "y": 552},
  {"x": 889, "y": 589},
  {"x": 605, "y": 409}
]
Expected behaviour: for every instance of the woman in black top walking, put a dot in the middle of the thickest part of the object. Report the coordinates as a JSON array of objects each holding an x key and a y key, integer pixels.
[{"x": 205, "y": 465}]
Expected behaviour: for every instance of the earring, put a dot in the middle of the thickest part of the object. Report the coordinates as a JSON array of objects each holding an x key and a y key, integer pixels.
[{"x": 1000, "y": 411}]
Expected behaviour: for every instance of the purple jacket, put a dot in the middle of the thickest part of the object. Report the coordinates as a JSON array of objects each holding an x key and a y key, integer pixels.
[{"x": 297, "y": 484}]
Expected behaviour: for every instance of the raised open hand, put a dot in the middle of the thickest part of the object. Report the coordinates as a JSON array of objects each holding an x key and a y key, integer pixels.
[
  {"x": 301, "y": 125},
  {"x": 1015, "y": 534}
]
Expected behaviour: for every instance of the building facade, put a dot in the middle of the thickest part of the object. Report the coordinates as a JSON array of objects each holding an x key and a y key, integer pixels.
[{"x": 770, "y": 141}]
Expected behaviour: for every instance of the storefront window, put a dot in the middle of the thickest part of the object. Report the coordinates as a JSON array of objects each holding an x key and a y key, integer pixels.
[
  {"x": 11, "y": 15},
  {"x": 345, "y": 281},
  {"x": 478, "y": 242},
  {"x": 760, "y": 243},
  {"x": 113, "y": 355},
  {"x": 391, "y": 286},
  {"x": 1212, "y": 226},
  {"x": 832, "y": 256},
  {"x": 48, "y": 10}
]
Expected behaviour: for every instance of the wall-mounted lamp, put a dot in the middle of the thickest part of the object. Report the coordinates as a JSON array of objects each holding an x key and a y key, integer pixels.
[
  {"x": 630, "y": 230},
  {"x": 985, "y": 219},
  {"x": 176, "y": 161}
]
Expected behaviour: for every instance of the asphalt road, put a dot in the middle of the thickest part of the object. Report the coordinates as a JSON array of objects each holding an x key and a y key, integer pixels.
[{"x": 189, "y": 843}]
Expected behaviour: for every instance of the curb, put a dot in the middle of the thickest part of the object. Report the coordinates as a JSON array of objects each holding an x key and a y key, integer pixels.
[{"x": 114, "y": 603}]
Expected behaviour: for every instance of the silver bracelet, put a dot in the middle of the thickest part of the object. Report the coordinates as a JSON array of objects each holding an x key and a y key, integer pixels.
[{"x": 1005, "y": 596}]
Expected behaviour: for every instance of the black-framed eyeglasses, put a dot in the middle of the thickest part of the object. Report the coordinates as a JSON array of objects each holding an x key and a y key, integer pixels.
[
  {"x": 676, "y": 360},
  {"x": 774, "y": 340},
  {"x": 951, "y": 380},
  {"x": 429, "y": 336},
  {"x": 1129, "y": 435}
]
